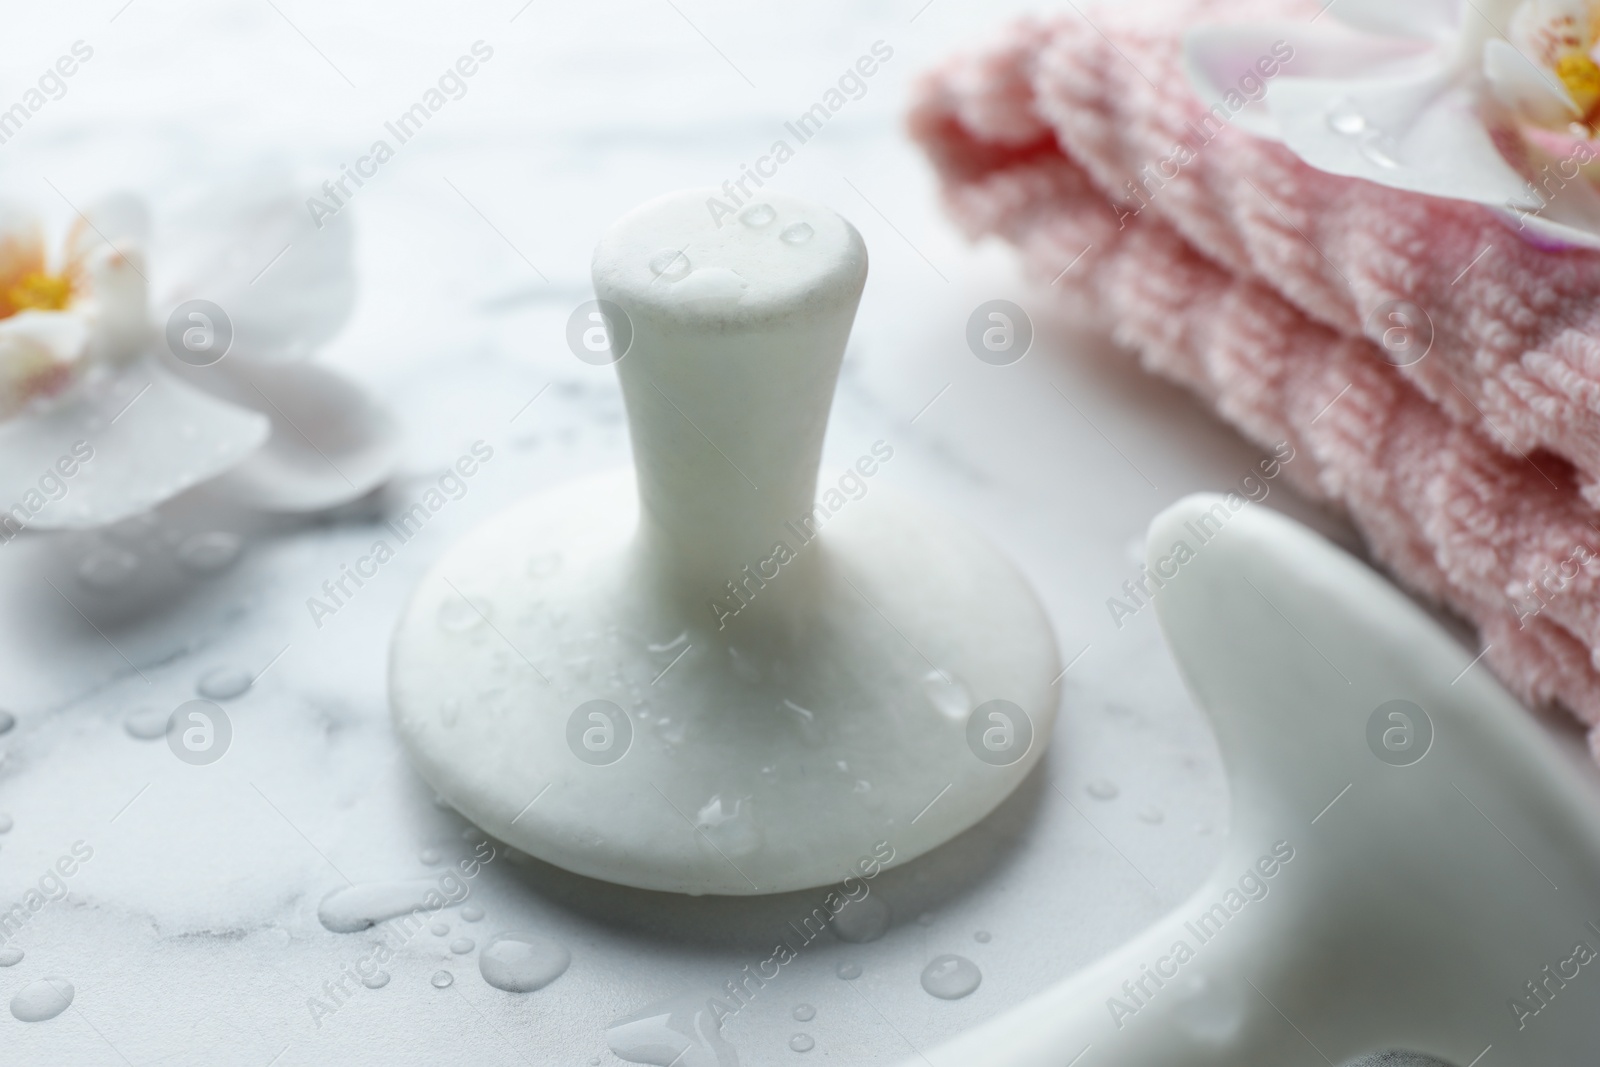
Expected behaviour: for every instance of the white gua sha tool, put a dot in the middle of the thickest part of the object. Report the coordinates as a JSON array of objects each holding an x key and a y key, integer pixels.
[
  {"x": 563, "y": 679},
  {"x": 1443, "y": 895}
]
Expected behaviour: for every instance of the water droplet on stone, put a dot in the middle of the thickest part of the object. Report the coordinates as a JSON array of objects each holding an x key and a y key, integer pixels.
[
  {"x": 10, "y": 957},
  {"x": 457, "y": 616},
  {"x": 206, "y": 552},
  {"x": 982, "y": 937},
  {"x": 520, "y": 961},
  {"x": 802, "y": 1043},
  {"x": 862, "y": 920},
  {"x": 41, "y": 1000},
  {"x": 951, "y": 977},
  {"x": 729, "y": 824},
  {"x": 1102, "y": 789},
  {"x": 439, "y": 929},
  {"x": 222, "y": 683},
  {"x": 669, "y": 264},
  {"x": 848, "y": 971},
  {"x": 681, "y": 1031},
  {"x": 1343, "y": 117},
  {"x": 146, "y": 724},
  {"x": 948, "y": 696},
  {"x": 376, "y": 981},
  {"x": 108, "y": 568},
  {"x": 797, "y": 234},
  {"x": 443, "y": 979},
  {"x": 7, "y": 721},
  {"x": 757, "y": 216},
  {"x": 804, "y": 1013},
  {"x": 471, "y": 913},
  {"x": 462, "y": 945},
  {"x": 1151, "y": 814}
]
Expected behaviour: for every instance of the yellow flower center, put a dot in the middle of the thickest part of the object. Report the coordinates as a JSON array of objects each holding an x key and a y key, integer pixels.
[
  {"x": 1581, "y": 75},
  {"x": 41, "y": 292}
]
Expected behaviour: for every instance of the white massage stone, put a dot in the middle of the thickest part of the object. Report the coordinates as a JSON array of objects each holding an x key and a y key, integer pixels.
[
  {"x": 1443, "y": 893},
  {"x": 756, "y": 752}
]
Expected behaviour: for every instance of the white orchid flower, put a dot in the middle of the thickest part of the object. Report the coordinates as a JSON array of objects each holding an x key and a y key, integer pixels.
[
  {"x": 107, "y": 410},
  {"x": 1495, "y": 102}
]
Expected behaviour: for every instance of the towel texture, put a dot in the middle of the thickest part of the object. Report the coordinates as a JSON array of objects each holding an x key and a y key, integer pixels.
[{"x": 1263, "y": 286}]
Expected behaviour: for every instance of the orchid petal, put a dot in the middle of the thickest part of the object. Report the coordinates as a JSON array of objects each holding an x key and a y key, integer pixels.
[
  {"x": 1526, "y": 88},
  {"x": 147, "y": 437},
  {"x": 1224, "y": 62},
  {"x": 40, "y": 354},
  {"x": 1422, "y": 133},
  {"x": 331, "y": 443},
  {"x": 286, "y": 283},
  {"x": 1430, "y": 20}
]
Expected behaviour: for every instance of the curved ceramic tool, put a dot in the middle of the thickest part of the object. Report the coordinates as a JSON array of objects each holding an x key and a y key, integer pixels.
[
  {"x": 1411, "y": 865},
  {"x": 725, "y": 675}
]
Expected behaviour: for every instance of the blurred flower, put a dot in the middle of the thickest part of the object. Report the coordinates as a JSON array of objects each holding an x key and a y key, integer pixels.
[
  {"x": 1494, "y": 102},
  {"x": 222, "y": 395}
]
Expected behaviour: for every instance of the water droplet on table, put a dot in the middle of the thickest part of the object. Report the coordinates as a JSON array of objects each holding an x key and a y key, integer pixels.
[
  {"x": 41, "y": 1000},
  {"x": 802, "y": 1043},
  {"x": 471, "y": 913},
  {"x": 757, "y": 216},
  {"x": 461, "y": 946},
  {"x": 376, "y": 981},
  {"x": 804, "y": 1013},
  {"x": 222, "y": 683},
  {"x": 1151, "y": 814},
  {"x": 356, "y": 907},
  {"x": 439, "y": 929},
  {"x": 848, "y": 971},
  {"x": 520, "y": 962},
  {"x": 443, "y": 979},
  {"x": 951, "y": 977},
  {"x": 669, "y": 264},
  {"x": 1102, "y": 789},
  {"x": 206, "y": 552},
  {"x": 681, "y": 1031},
  {"x": 797, "y": 234},
  {"x": 146, "y": 724},
  {"x": 864, "y": 920},
  {"x": 108, "y": 568},
  {"x": 10, "y": 957}
]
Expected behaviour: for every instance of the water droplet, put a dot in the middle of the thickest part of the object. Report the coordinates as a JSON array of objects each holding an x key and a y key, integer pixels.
[
  {"x": 376, "y": 981},
  {"x": 1381, "y": 149},
  {"x": 982, "y": 937},
  {"x": 439, "y": 929},
  {"x": 222, "y": 683},
  {"x": 430, "y": 856},
  {"x": 1151, "y": 814},
  {"x": 7, "y": 721},
  {"x": 802, "y": 1043},
  {"x": 356, "y": 907},
  {"x": 41, "y": 1000},
  {"x": 146, "y": 724},
  {"x": 804, "y": 1013},
  {"x": 729, "y": 824},
  {"x": 669, "y": 264},
  {"x": 681, "y": 1031},
  {"x": 951, "y": 977},
  {"x": 797, "y": 234},
  {"x": 458, "y": 616},
  {"x": 471, "y": 913},
  {"x": 443, "y": 979},
  {"x": 10, "y": 957},
  {"x": 757, "y": 216},
  {"x": 206, "y": 552},
  {"x": 6, "y": 823},
  {"x": 948, "y": 696},
  {"x": 1102, "y": 789},
  {"x": 108, "y": 568},
  {"x": 520, "y": 962},
  {"x": 848, "y": 971},
  {"x": 862, "y": 920},
  {"x": 1343, "y": 117},
  {"x": 462, "y": 945}
]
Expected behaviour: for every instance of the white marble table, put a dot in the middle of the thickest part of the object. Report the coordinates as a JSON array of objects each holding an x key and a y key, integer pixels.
[{"x": 192, "y": 935}]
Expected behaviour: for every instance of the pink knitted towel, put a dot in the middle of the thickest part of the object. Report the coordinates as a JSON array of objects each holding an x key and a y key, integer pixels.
[{"x": 1250, "y": 278}]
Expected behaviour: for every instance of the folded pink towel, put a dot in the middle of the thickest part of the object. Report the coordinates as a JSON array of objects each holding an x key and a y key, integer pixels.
[{"x": 1251, "y": 278}]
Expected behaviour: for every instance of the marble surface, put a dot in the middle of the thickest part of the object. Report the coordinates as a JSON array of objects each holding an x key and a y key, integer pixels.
[{"x": 191, "y": 935}]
